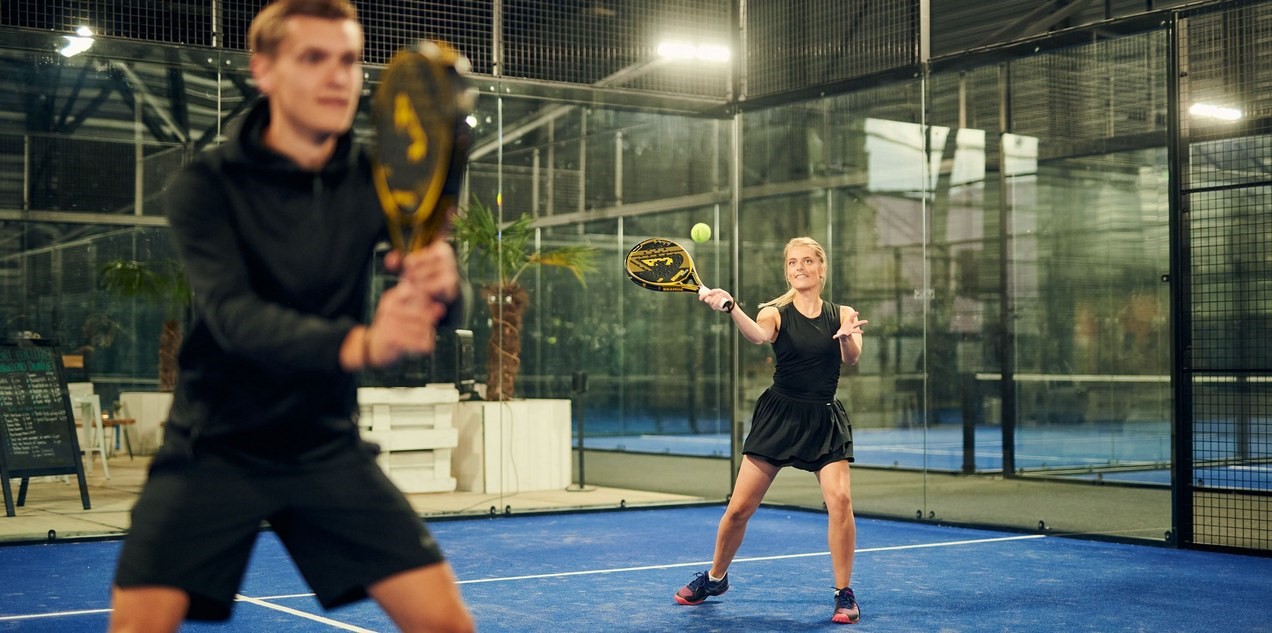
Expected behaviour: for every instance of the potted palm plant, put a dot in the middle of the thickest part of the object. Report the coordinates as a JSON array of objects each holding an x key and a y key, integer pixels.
[
  {"x": 508, "y": 251},
  {"x": 161, "y": 282}
]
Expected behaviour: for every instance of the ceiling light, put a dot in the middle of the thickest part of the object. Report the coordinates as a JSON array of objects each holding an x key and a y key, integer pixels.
[
  {"x": 687, "y": 51},
  {"x": 78, "y": 43},
  {"x": 1215, "y": 112},
  {"x": 712, "y": 53}
]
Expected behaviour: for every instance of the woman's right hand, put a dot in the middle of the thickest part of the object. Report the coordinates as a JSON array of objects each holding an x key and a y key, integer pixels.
[{"x": 717, "y": 298}]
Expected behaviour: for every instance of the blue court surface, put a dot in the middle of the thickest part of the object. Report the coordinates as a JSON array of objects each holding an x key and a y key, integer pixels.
[{"x": 617, "y": 571}]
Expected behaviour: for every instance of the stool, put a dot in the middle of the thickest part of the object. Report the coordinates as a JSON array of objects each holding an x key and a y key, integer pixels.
[{"x": 121, "y": 427}]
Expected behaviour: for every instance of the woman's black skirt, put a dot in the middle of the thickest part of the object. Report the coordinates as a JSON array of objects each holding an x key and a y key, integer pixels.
[{"x": 803, "y": 434}]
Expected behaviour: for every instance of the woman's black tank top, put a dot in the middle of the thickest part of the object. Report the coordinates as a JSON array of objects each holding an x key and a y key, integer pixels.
[{"x": 807, "y": 355}]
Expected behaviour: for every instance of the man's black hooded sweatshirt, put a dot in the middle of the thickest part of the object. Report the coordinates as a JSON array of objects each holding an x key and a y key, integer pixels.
[{"x": 279, "y": 260}]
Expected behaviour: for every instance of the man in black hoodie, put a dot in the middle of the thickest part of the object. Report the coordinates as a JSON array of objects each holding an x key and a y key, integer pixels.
[{"x": 276, "y": 229}]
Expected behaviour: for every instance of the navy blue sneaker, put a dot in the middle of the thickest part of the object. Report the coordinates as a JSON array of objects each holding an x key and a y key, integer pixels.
[
  {"x": 700, "y": 588},
  {"x": 846, "y": 609}
]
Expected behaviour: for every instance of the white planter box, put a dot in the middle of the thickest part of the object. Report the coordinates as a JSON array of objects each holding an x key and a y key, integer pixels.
[
  {"x": 413, "y": 426},
  {"x": 514, "y": 446},
  {"x": 150, "y": 410}
]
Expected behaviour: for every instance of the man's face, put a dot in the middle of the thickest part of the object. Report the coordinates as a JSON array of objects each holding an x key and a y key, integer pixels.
[{"x": 314, "y": 79}]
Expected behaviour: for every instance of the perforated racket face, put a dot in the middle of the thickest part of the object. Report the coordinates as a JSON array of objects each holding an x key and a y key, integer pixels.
[
  {"x": 417, "y": 108},
  {"x": 660, "y": 264}
]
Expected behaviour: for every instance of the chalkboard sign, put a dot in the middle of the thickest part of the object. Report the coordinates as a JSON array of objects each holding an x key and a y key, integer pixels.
[{"x": 37, "y": 425}]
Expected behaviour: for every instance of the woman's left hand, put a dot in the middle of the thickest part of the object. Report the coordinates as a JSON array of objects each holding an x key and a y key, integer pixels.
[{"x": 850, "y": 325}]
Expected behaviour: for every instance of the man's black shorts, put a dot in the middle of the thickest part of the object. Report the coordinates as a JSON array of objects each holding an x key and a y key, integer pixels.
[{"x": 344, "y": 523}]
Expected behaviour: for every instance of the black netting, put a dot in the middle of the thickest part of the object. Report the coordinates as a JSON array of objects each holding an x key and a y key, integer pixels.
[
  {"x": 1105, "y": 90},
  {"x": 615, "y": 44},
  {"x": 182, "y": 22},
  {"x": 792, "y": 44},
  {"x": 612, "y": 44},
  {"x": 1232, "y": 458},
  {"x": 1225, "y": 104},
  {"x": 1231, "y": 278}
]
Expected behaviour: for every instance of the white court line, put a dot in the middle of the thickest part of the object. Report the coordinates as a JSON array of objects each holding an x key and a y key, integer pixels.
[
  {"x": 256, "y": 601},
  {"x": 308, "y": 616},
  {"x": 685, "y": 439},
  {"x": 262, "y": 602},
  {"x": 752, "y": 559},
  {"x": 33, "y": 616},
  {"x": 1096, "y": 461},
  {"x": 1076, "y": 377}
]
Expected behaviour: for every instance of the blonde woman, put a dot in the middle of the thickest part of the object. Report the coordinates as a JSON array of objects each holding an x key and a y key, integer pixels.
[{"x": 797, "y": 421}]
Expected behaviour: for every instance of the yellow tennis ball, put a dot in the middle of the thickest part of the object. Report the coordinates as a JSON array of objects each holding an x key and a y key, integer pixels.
[{"x": 700, "y": 232}]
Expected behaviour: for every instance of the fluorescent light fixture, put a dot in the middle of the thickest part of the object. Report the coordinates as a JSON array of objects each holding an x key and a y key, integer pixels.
[
  {"x": 1215, "y": 112},
  {"x": 687, "y": 51},
  {"x": 78, "y": 43},
  {"x": 675, "y": 50},
  {"x": 713, "y": 53}
]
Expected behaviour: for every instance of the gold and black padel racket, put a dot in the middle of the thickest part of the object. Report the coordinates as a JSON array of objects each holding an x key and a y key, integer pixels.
[
  {"x": 665, "y": 266},
  {"x": 422, "y": 139}
]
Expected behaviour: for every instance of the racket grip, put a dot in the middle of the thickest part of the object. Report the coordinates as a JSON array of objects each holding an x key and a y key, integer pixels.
[{"x": 728, "y": 305}]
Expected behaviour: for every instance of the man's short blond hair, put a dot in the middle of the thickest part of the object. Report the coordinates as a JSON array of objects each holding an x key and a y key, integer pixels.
[{"x": 269, "y": 27}]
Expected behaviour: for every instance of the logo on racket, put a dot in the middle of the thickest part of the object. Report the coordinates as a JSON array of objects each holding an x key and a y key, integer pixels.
[{"x": 668, "y": 269}]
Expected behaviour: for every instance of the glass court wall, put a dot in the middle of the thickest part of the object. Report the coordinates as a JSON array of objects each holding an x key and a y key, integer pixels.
[{"x": 1001, "y": 218}]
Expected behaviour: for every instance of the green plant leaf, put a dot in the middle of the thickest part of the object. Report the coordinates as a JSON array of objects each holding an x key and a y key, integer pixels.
[
  {"x": 160, "y": 281},
  {"x": 509, "y": 250}
]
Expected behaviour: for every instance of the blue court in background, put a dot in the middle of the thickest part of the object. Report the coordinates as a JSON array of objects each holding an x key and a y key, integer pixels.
[
  {"x": 941, "y": 447},
  {"x": 617, "y": 571},
  {"x": 1105, "y": 452}
]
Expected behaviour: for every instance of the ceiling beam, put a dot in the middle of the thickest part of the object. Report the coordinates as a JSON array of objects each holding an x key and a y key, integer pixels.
[{"x": 1047, "y": 15}]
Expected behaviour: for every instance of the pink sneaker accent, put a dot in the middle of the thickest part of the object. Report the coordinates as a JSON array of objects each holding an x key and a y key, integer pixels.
[
  {"x": 700, "y": 588},
  {"x": 846, "y": 609}
]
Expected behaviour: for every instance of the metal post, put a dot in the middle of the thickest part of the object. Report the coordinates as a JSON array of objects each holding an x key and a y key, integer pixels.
[
  {"x": 579, "y": 387},
  {"x": 1181, "y": 371}
]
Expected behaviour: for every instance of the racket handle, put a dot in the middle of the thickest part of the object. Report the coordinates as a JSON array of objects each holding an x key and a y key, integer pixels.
[{"x": 728, "y": 305}]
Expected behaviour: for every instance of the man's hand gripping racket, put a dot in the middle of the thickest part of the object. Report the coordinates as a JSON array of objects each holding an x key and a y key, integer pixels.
[
  {"x": 420, "y": 155},
  {"x": 663, "y": 265}
]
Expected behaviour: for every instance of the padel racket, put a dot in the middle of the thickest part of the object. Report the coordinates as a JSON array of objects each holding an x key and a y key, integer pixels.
[
  {"x": 422, "y": 140},
  {"x": 663, "y": 265}
]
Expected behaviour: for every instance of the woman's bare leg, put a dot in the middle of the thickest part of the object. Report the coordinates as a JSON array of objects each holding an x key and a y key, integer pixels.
[
  {"x": 836, "y": 485},
  {"x": 754, "y": 478}
]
